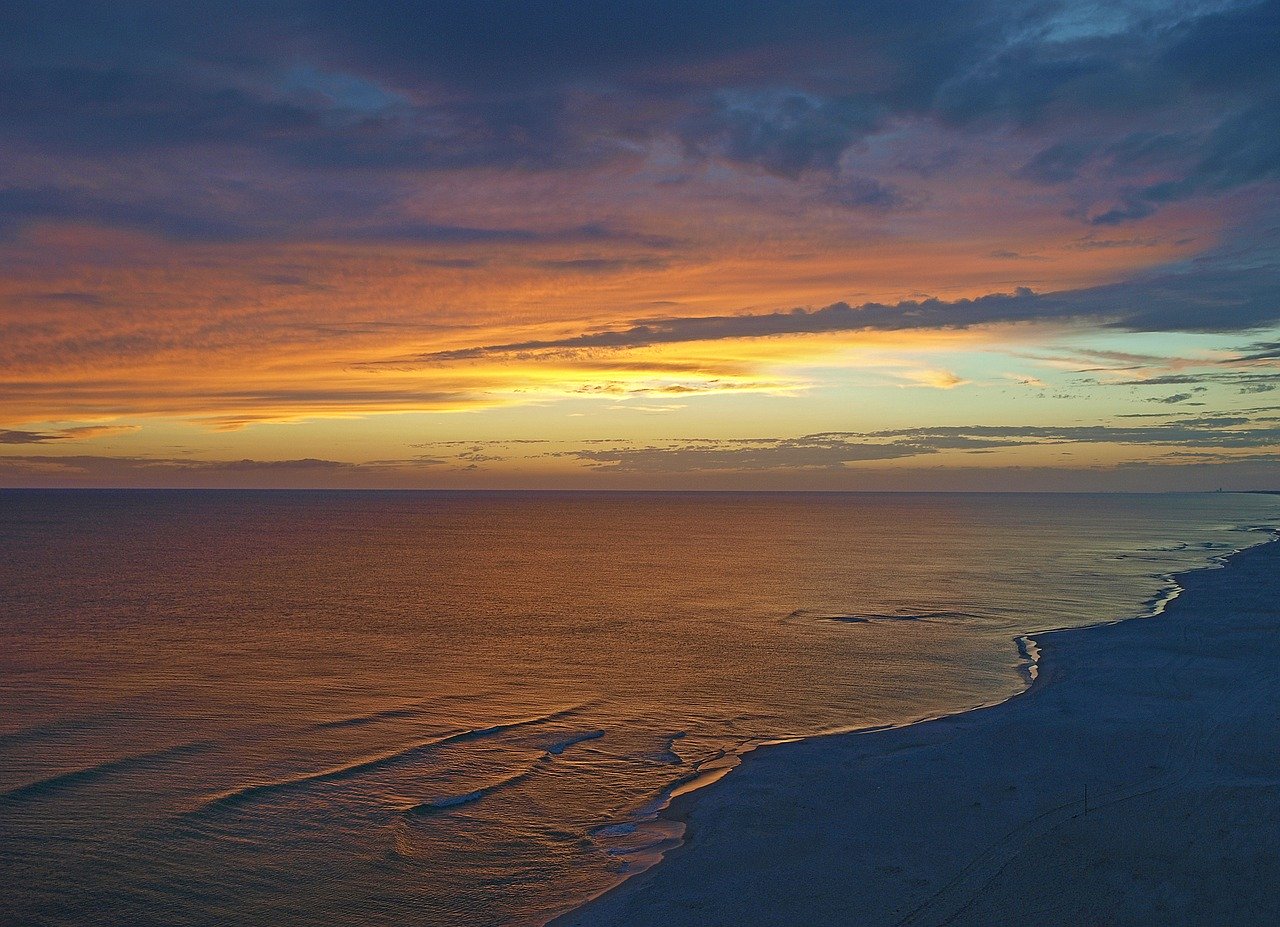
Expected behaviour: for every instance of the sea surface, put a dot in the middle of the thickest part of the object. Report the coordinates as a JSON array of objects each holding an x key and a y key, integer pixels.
[{"x": 391, "y": 708}]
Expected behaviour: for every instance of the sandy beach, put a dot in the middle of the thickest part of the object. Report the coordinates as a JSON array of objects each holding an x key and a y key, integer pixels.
[{"x": 1136, "y": 782}]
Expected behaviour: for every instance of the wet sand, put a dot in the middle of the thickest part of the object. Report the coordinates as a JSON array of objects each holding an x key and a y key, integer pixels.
[{"x": 1136, "y": 782}]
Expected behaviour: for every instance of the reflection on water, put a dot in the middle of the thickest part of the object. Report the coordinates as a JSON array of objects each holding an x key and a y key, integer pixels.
[{"x": 451, "y": 708}]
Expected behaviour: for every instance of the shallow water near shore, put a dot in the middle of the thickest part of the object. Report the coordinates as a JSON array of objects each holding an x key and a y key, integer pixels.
[{"x": 463, "y": 708}]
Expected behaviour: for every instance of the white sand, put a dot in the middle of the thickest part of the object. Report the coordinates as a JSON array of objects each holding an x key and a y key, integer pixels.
[{"x": 1170, "y": 725}]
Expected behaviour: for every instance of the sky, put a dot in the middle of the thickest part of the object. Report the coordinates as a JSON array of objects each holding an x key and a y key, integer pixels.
[{"x": 882, "y": 245}]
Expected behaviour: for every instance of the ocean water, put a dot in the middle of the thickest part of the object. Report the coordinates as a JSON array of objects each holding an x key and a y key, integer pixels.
[{"x": 466, "y": 708}]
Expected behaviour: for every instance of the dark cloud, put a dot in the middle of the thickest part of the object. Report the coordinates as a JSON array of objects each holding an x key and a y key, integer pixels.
[
  {"x": 812, "y": 452},
  {"x": 1202, "y": 298},
  {"x": 1182, "y": 433},
  {"x": 1266, "y": 350},
  {"x": 1243, "y": 149},
  {"x": 1155, "y": 68},
  {"x": 1028, "y": 83},
  {"x": 1214, "y": 421},
  {"x": 500, "y": 44},
  {"x": 1135, "y": 207},
  {"x": 1228, "y": 48},
  {"x": 1058, "y": 163},
  {"x": 601, "y": 265},
  {"x": 81, "y": 433},
  {"x": 1250, "y": 382},
  {"x": 788, "y": 87},
  {"x": 25, "y": 437},
  {"x": 461, "y": 85},
  {"x": 380, "y": 88},
  {"x": 785, "y": 135},
  {"x": 95, "y": 111},
  {"x": 274, "y": 220},
  {"x": 866, "y": 193},
  {"x": 19, "y": 206},
  {"x": 837, "y": 450}
]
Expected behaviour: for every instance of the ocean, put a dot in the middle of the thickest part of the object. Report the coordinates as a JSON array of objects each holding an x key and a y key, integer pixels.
[{"x": 422, "y": 708}]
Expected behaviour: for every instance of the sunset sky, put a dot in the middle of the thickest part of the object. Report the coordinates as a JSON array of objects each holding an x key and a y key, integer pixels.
[{"x": 824, "y": 245}]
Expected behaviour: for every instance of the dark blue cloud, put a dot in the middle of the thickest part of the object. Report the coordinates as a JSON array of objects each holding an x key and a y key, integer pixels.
[
  {"x": 517, "y": 43},
  {"x": 786, "y": 134},
  {"x": 275, "y": 220},
  {"x": 504, "y": 83},
  {"x": 1243, "y": 149},
  {"x": 1230, "y": 49},
  {"x": 1059, "y": 162},
  {"x": 866, "y": 193},
  {"x": 1189, "y": 94},
  {"x": 93, "y": 110},
  {"x": 22, "y": 205}
]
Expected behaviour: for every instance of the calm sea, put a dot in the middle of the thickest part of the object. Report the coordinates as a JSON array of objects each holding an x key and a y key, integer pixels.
[{"x": 462, "y": 708}]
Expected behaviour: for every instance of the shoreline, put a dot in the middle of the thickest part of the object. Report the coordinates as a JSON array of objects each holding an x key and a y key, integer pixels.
[{"x": 689, "y": 810}]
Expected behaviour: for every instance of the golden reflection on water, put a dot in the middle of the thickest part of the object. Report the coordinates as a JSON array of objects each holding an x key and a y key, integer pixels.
[{"x": 454, "y": 708}]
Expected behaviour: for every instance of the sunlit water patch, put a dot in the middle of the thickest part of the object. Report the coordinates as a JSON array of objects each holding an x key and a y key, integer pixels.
[{"x": 449, "y": 708}]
